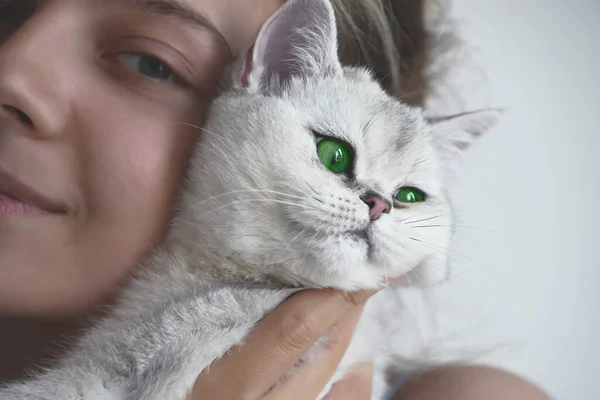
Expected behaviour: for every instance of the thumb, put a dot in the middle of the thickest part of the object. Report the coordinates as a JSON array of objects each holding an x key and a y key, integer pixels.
[{"x": 356, "y": 385}]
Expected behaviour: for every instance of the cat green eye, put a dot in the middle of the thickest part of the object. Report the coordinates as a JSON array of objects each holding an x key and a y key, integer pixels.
[
  {"x": 335, "y": 155},
  {"x": 410, "y": 195}
]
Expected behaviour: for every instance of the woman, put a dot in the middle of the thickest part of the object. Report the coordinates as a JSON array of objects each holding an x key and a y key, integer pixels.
[{"x": 95, "y": 96}]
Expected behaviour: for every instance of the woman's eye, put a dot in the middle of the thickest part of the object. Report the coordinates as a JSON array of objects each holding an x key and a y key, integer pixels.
[
  {"x": 410, "y": 195},
  {"x": 146, "y": 65}
]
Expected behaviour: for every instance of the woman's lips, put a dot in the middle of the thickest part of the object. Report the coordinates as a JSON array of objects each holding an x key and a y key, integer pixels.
[
  {"x": 10, "y": 206},
  {"x": 17, "y": 198}
]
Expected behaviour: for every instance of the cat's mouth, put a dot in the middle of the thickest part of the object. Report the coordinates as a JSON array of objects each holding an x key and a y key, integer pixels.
[
  {"x": 359, "y": 235},
  {"x": 320, "y": 233},
  {"x": 362, "y": 234},
  {"x": 362, "y": 237}
]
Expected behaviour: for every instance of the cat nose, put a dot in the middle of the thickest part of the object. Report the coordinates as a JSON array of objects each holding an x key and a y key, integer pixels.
[{"x": 377, "y": 205}]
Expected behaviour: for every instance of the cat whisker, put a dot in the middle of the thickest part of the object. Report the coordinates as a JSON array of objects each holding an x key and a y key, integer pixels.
[
  {"x": 312, "y": 188},
  {"x": 406, "y": 220},
  {"x": 448, "y": 250},
  {"x": 201, "y": 129},
  {"x": 300, "y": 190},
  {"x": 466, "y": 278},
  {"x": 416, "y": 276},
  {"x": 386, "y": 277},
  {"x": 233, "y": 192},
  {"x": 408, "y": 280},
  {"x": 415, "y": 166},
  {"x": 472, "y": 281},
  {"x": 456, "y": 226},
  {"x": 411, "y": 94},
  {"x": 317, "y": 232},
  {"x": 295, "y": 237},
  {"x": 383, "y": 78},
  {"x": 260, "y": 201},
  {"x": 504, "y": 237},
  {"x": 367, "y": 127},
  {"x": 454, "y": 212},
  {"x": 390, "y": 243},
  {"x": 420, "y": 162},
  {"x": 310, "y": 241}
]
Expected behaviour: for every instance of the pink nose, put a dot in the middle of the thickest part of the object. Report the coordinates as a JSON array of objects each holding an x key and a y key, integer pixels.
[{"x": 377, "y": 206}]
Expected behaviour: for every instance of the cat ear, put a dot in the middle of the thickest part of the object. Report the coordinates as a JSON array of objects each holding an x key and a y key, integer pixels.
[
  {"x": 299, "y": 40},
  {"x": 453, "y": 135}
]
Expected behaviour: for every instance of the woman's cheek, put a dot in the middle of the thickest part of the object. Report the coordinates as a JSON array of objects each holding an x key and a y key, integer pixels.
[
  {"x": 137, "y": 163},
  {"x": 131, "y": 167}
]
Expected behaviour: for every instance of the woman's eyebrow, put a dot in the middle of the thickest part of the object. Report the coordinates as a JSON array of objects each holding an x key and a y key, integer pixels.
[{"x": 175, "y": 9}]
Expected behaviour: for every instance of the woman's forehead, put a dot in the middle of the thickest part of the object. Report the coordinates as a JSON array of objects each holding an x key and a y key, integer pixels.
[
  {"x": 237, "y": 21},
  {"x": 192, "y": 13}
]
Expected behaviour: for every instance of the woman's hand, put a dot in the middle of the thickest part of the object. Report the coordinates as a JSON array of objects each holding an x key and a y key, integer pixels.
[{"x": 250, "y": 372}]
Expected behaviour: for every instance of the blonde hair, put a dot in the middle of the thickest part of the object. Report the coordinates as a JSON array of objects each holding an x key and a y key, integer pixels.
[{"x": 402, "y": 41}]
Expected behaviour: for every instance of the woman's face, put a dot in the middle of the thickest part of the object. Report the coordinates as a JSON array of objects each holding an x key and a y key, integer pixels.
[{"x": 95, "y": 101}]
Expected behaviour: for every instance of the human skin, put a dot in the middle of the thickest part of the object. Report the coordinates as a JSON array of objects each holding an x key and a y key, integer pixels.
[
  {"x": 83, "y": 126},
  {"x": 102, "y": 141},
  {"x": 107, "y": 145},
  {"x": 284, "y": 335}
]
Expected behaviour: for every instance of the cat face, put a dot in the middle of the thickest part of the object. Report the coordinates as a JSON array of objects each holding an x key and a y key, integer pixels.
[{"x": 310, "y": 173}]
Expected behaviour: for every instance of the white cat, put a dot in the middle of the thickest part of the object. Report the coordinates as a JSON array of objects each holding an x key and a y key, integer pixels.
[{"x": 307, "y": 175}]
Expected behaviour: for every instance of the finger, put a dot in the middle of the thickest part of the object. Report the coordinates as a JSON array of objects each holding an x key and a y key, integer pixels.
[
  {"x": 277, "y": 343},
  {"x": 312, "y": 378},
  {"x": 356, "y": 385}
]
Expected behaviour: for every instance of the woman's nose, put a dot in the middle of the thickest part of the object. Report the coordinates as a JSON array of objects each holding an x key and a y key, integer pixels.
[{"x": 33, "y": 80}]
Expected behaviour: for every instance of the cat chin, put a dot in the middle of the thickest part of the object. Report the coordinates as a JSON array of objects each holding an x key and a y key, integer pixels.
[{"x": 350, "y": 261}]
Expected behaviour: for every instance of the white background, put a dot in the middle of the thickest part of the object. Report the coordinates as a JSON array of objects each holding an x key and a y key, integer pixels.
[{"x": 527, "y": 261}]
